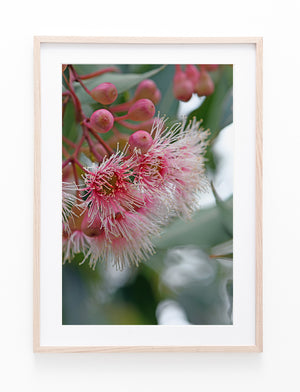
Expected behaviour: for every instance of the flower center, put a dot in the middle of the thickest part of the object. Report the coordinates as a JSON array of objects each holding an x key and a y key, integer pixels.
[
  {"x": 109, "y": 184},
  {"x": 155, "y": 169},
  {"x": 93, "y": 231}
]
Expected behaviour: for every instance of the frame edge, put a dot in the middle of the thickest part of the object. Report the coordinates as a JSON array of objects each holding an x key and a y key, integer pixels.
[
  {"x": 147, "y": 40},
  {"x": 37, "y": 190},
  {"x": 259, "y": 197},
  {"x": 38, "y": 40},
  {"x": 147, "y": 349}
]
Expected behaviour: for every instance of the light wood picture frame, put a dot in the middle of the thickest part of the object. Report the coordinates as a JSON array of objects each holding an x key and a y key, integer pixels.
[{"x": 239, "y": 42}]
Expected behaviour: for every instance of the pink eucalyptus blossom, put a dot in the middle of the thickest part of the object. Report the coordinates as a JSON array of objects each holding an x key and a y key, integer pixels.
[
  {"x": 172, "y": 171},
  {"x": 108, "y": 188},
  {"x": 126, "y": 240}
]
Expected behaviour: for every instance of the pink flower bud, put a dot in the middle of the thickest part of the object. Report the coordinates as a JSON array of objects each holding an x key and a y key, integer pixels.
[
  {"x": 179, "y": 74},
  {"x": 102, "y": 120},
  {"x": 210, "y": 67},
  {"x": 183, "y": 90},
  {"x": 146, "y": 89},
  {"x": 182, "y": 87},
  {"x": 192, "y": 73},
  {"x": 105, "y": 93},
  {"x": 141, "y": 110},
  {"x": 140, "y": 140},
  {"x": 205, "y": 85},
  {"x": 91, "y": 228}
]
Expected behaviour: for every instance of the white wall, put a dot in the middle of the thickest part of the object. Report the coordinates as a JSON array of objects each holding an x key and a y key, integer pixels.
[{"x": 278, "y": 23}]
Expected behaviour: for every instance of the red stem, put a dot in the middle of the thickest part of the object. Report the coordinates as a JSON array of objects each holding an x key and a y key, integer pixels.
[
  {"x": 79, "y": 164},
  {"x": 122, "y": 107},
  {"x": 76, "y": 152},
  {"x": 120, "y": 118},
  {"x": 69, "y": 142},
  {"x": 134, "y": 127},
  {"x": 98, "y": 73},
  {"x": 78, "y": 79},
  {"x": 66, "y": 162},
  {"x": 90, "y": 143},
  {"x": 79, "y": 114},
  {"x": 65, "y": 152},
  {"x": 96, "y": 136},
  {"x": 83, "y": 86}
]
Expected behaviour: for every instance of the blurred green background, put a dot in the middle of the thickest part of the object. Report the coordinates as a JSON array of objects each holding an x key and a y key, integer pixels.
[{"x": 189, "y": 279}]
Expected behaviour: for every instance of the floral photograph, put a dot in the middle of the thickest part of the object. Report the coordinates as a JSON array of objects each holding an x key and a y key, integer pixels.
[{"x": 147, "y": 194}]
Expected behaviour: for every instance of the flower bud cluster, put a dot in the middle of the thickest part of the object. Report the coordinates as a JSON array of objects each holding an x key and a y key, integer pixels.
[
  {"x": 193, "y": 80},
  {"x": 140, "y": 108}
]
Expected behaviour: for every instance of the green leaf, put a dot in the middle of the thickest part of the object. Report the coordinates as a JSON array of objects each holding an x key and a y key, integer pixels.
[
  {"x": 71, "y": 129},
  {"x": 225, "y": 211},
  {"x": 77, "y": 289},
  {"x": 216, "y": 110},
  {"x": 223, "y": 251},
  {"x": 168, "y": 105},
  {"x": 145, "y": 302},
  {"x": 209, "y": 301},
  {"x": 205, "y": 229}
]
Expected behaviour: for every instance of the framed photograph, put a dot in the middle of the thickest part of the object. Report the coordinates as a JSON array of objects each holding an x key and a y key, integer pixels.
[{"x": 148, "y": 194}]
